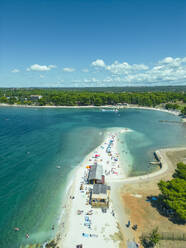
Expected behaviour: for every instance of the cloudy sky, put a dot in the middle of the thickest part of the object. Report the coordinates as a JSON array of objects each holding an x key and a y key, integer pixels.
[{"x": 71, "y": 43}]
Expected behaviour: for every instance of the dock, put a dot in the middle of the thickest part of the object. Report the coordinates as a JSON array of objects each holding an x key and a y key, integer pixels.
[{"x": 158, "y": 158}]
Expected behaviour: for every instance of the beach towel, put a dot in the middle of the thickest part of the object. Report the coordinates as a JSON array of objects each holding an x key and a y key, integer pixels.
[{"x": 85, "y": 235}]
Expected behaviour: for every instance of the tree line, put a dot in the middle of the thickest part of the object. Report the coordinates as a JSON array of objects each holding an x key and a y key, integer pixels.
[
  {"x": 173, "y": 193},
  {"x": 85, "y": 98}
]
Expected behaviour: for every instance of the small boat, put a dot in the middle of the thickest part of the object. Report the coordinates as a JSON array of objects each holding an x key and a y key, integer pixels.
[
  {"x": 109, "y": 110},
  {"x": 58, "y": 167}
]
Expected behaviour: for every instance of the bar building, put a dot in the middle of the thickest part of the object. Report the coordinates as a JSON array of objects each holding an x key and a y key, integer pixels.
[
  {"x": 99, "y": 196},
  {"x": 95, "y": 175}
]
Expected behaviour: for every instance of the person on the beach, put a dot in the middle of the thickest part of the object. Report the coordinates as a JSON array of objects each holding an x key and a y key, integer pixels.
[
  {"x": 135, "y": 227},
  {"x": 128, "y": 223}
]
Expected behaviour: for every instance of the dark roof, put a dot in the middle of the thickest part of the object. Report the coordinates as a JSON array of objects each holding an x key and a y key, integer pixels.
[
  {"x": 100, "y": 189},
  {"x": 95, "y": 172}
]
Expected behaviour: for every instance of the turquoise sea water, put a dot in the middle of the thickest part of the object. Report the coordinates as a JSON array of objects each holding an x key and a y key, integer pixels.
[{"x": 34, "y": 141}]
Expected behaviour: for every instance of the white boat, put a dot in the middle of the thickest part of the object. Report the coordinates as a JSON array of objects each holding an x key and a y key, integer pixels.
[{"x": 109, "y": 110}]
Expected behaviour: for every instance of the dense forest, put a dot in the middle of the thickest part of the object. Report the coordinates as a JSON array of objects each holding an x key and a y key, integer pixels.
[
  {"x": 173, "y": 192},
  {"x": 69, "y": 97},
  {"x": 130, "y": 89}
]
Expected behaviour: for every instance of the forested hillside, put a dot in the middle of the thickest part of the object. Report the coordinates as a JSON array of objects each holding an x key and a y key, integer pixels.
[{"x": 75, "y": 97}]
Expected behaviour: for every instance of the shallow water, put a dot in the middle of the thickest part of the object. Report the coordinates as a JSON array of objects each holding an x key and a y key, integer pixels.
[{"x": 34, "y": 141}]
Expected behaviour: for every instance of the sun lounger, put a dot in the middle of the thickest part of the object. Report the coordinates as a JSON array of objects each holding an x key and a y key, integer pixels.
[
  {"x": 94, "y": 235},
  {"x": 87, "y": 218},
  {"x": 85, "y": 235}
]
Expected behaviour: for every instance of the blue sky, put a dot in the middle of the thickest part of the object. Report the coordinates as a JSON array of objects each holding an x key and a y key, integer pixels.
[{"x": 61, "y": 43}]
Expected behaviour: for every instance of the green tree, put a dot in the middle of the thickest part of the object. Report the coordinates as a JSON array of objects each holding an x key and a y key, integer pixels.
[
  {"x": 180, "y": 172},
  {"x": 183, "y": 111},
  {"x": 171, "y": 106},
  {"x": 173, "y": 193},
  {"x": 150, "y": 240}
]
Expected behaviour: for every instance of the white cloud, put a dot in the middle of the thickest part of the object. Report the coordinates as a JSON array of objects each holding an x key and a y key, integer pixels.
[
  {"x": 168, "y": 70},
  {"x": 98, "y": 63},
  {"x": 15, "y": 70},
  {"x": 91, "y": 80},
  {"x": 172, "y": 62},
  {"x": 52, "y": 66},
  {"x": 85, "y": 70},
  {"x": 166, "y": 60},
  {"x": 37, "y": 67},
  {"x": 119, "y": 68},
  {"x": 68, "y": 69},
  {"x": 125, "y": 68},
  {"x": 140, "y": 67}
]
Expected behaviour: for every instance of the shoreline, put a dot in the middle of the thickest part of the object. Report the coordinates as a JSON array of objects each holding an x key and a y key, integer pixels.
[
  {"x": 129, "y": 106},
  {"x": 63, "y": 237},
  {"x": 164, "y": 172},
  {"x": 66, "y": 202},
  {"x": 122, "y": 217},
  {"x": 134, "y": 196},
  {"x": 164, "y": 167}
]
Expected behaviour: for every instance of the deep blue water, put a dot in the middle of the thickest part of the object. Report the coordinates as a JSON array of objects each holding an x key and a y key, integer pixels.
[{"x": 34, "y": 141}]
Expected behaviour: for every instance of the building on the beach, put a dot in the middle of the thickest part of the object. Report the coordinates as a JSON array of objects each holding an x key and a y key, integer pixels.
[
  {"x": 95, "y": 175},
  {"x": 35, "y": 97},
  {"x": 99, "y": 196},
  {"x": 122, "y": 104}
]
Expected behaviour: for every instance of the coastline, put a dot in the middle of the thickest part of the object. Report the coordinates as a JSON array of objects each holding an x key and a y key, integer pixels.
[
  {"x": 115, "y": 182},
  {"x": 165, "y": 166},
  {"x": 62, "y": 238},
  {"x": 119, "y": 186},
  {"x": 134, "y": 197},
  {"x": 66, "y": 207},
  {"x": 67, "y": 233},
  {"x": 130, "y": 106}
]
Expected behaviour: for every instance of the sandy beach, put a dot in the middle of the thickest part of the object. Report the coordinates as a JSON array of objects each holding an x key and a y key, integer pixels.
[
  {"x": 104, "y": 229},
  {"x": 92, "y": 106},
  {"x": 165, "y": 166}
]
